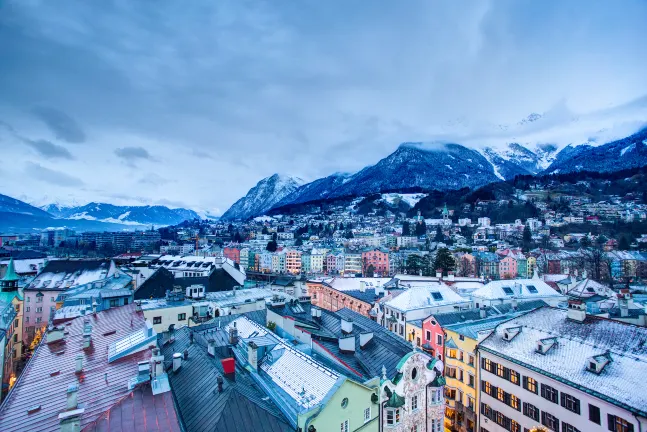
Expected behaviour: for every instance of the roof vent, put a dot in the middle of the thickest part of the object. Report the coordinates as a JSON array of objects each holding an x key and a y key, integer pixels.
[
  {"x": 346, "y": 325},
  {"x": 544, "y": 345},
  {"x": 576, "y": 311},
  {"x": 347, "y": 344},
  {"x": 365, "y": 338},
  {"x": 510, "y": 332}
]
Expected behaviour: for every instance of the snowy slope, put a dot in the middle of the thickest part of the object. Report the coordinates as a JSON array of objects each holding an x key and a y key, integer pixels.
[
  {"x": 126, "y": 215},
  {"x": 262, "y": 197}
]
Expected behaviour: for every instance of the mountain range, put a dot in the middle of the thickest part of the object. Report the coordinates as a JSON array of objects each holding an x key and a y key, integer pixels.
[
  {"x": 445, "y": 166},
  {"x": 19, "y": 216}
]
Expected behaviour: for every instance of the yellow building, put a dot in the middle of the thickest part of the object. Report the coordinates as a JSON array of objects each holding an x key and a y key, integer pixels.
[
  {"x": 414, "y": 331},
  {"x": 532, "y": 265},
  {"x": 14, "y": 350},
  {"x": 461, "y": 389}
]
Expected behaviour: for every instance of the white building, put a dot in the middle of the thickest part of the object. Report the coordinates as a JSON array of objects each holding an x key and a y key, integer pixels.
[
  {"x": 564, "y": 370},
  {"x": 418, "y": 302},
  {"x": 515, "y": 290},
  {"x": 484, "y": 221}
]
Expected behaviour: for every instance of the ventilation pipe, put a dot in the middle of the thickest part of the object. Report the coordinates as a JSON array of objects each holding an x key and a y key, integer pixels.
[
  {"x": 252, "y": 355},
  {"x": 79, "y": 363},
  {"x": 177, "y": 361}
]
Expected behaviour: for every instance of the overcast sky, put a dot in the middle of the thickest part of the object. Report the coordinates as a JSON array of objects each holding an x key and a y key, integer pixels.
[{"x": 190, "y": 103}]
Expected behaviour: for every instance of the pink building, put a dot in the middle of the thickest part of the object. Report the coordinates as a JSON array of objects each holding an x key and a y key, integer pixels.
[
  {"x": 57, "y": 277},
  {"x": 508, "y": 268},
  {"x": 293, "y": 261},
  {"x": 377, "y": 258},
  {"x": 232, "y": 253},
  {"x": 433, "y": 338}
]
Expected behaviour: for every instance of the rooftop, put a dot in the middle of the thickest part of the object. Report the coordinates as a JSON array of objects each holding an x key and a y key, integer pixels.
[
  {"x": 576, "y": 343},
  {"x": 63, "y": 274},
  {"x": 427, "y": 296},
  {"x": 517, "y": 288}
]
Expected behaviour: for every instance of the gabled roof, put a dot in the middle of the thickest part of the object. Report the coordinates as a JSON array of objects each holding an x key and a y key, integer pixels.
[
  {"x": 242, "y": 405},
  {"x": 10, "y": 275},
  {"x": 427, "y": 296},
  {"x": 517, "y": 288},
  {"x": 51, "y": 370}
]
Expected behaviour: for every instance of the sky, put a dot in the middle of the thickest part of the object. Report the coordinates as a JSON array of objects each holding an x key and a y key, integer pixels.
[{"x": 190, "y": 103}]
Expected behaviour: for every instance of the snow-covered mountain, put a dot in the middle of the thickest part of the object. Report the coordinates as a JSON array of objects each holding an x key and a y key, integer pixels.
[
  {"x": 318, "y": 189},
  {"x": 125, "y": 215},
  {"x": 12, "y": 205},
  {"x": 262, "y": 197}
]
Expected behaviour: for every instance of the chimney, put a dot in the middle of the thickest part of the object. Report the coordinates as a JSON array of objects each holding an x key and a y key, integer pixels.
[
  {"x": 211, "y": 347},
  {"x": 233, "y": 334},
  {"x": 72, "y": 396},
  {"x": 94, "y": 307},
  {"x": 87, "y": 334},
  {"x": 70, "y": 419},
  {"x": 365, "y": 338},
  {"x": 347, "y": 344},
  {"x": 346, "y": 325},
  {"x": 450, "y": 276},
  {"x": 220, "y": 382},
  {"x": 177, "y": 361},
  {"x": 55, "y": 333},
  {"x": 576, "y": 310},
  {"x": 482, "y": 311},
  {"x": 362, "y": 286},
  {"x": 156, "y": 363},
  {"x": 79, "y": 363},
  {"x": 438, "y": 275},
  {"x": 252, "y": 355},
  {"x": 514, "y": 303},
  {"x": 623, "y": 304}
]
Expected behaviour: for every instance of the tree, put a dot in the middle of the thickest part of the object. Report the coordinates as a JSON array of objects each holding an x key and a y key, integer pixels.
[
  {"x": 439, "y": 234},
  {"x": 623, "y": 243},
  {"x": 271, "y": 246},
  {"x": 421, "y": 229},
  {"x": 265, "y": 230},
  {"x": 298, "y": 242},
  {"x": 274, "y": 237},
  {"x": 370, "y": 271},
  {"x": 414, "y": 264},
  {"x": 349, "y": 234},
  {"x": 405, "y": 228},
  {"x": 238, "y": 238},
  {"x": 585, "y": 241},
  {"x": 444, "y": 261},
  {"x": 465, "y": 267},
  {"x": 527, "y": 236}
]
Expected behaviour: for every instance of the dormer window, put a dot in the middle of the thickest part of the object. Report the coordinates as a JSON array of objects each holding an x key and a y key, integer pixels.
[
  {"x": 597, "y": 363},
  {"x": 510, "y": 332},
  {"x": 544, "y": 345}
]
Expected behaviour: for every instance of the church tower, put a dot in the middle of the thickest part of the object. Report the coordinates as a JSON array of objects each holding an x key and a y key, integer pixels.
[{"x": 9, "y": 282}]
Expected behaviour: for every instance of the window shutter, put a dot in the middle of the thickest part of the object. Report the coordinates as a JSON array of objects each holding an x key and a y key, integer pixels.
[
  {"x": 563, "y": 400},
  {"x": 525, "y": 382},
  {"x": 611, "y": 419}
]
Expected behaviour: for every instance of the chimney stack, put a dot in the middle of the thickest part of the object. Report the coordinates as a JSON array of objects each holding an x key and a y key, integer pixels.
[
  {"x": 233, "y": 334},
  {"x": 55, "y": 333},
  {"x": 220, "y": 382},
  {"x": 362, "y": 286},
  {"x": 211, "y": 347},
  {"x": 72, "y": 396},
  {"x": 482, "y": 311},
  {"x": 177, "y": 361},
  {"x": 347, "y": 344},
  {"x": 576, "y": 310},
  {"x": 79, "y": 363},
  {"x": 70, "y": 419},
  {"x": 514, "y": 303},
  {"x": 87, "y": 334},
  {"x": 156, "y": 363},
  {"x": 365, "y": 338},
  {"x": 252, "y": 355},
  {"x": 438, "y": 275}
]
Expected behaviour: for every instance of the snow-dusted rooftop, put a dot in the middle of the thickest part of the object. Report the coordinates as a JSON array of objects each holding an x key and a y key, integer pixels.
[
  {"x": 351, "y": 284},
  {"x": 577, "y": 343},
  {"x": 430, "y": 295},
  {"x": 517, "y": 288}
]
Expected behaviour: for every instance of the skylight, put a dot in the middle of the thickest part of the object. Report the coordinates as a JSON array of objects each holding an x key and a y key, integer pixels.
[
  {"x": 532, "y": 289},
  {"x": 437, "y": 296},
  {"x": 508, "y": 291}
]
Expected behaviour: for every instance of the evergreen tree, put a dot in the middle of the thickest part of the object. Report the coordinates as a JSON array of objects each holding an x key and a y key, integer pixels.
[
  {"x": 421, "y": 229},
  {"x": 414, "y": 264},
  {"x": 623, "y": 243},
  {"x": 585, "y": 242},
  {"x": 271, "y": 246},
  {"x": 370, "y": 271},
  {"x": 405, "y": 228},
  {"x": 444, "y": 261},
  {"x": 439, "y": 234},
  {"x": 298, "y": 242},
  {"x": 527, "y": 237}
]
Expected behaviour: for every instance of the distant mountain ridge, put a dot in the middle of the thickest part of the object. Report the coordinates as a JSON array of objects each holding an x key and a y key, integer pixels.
[
  {"x": 262, "y": 197},
  {"x": 127, "y": 215}
]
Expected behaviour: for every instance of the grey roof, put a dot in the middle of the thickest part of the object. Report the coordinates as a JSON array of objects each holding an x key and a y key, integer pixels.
[
  {"x": 450, "y": 318},
  {"x": 368, "y": 296},
  {"x": 240, "y": 407}
]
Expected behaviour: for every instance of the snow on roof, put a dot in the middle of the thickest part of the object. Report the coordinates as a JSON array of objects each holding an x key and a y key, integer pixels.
[
  {"x": 303, "y": 379},
  {"x": 588, "y": 288},
  {"x": 23, "y": 266},
  {"x": 577, "y": 343},
  {"x": 517, "y": 288},
  {"x": 430, "y": 295},
  {"x": 351, "y": 284},
  {"x": 555, "y": 277},
  {"x": 63, "y": 274}
]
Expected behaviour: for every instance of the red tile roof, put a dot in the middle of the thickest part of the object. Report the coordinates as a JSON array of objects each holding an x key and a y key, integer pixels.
[{"x": 51, "y": 370}]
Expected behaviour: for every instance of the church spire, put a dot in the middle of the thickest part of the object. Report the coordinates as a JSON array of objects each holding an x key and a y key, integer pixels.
[{"x": 10, "y": 279}]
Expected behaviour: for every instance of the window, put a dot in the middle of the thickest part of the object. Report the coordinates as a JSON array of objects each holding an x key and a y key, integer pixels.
[
  {"x": 515, "y": 403},
  {"x": 529, "y": 410},
  {"x": 488, "y": 365},
  {"x": 594, "y": 414},
  {"x": 428, "y": 334},
  {"x": 470, "y": 403},
  {"x": 508, "y": 291},
  {"x": 437, "y": 296},
  {"x": 414, "y": 373},
  {"x": 570, "y": 403},
  {"x": 393, "y": 416},
  {"x": 550, "y": 421},
  {"x": 549, "y": 393},
  {"x": 500, "y": 394},
  {"x": 414, "y": 402},
  {"x": 28, "y": 299},
  {"x": 344, "y": 426},
  {"x": 514, "y": 426},
  {"x": 436, "y": 396},
  {"x": 530, "y": 384},
  {"x": 51, "y": 299},
  {"x": 470, "y": 380},
  {"x": 28, "y": 308},
  {"x": 39, "y": 319},
  {"x": 618, "y": 424},
  {"x": 500, "y": 370},
  {"x": 514, "y": 377},
  {"x": 569, "y": 428},
  {"x": 414, "y": 428},
  {"x": 181, "y": 317},
  {"x": 26, "y": 319},
  {"x": 157, "y": 320},
  {"x": 470, "y": 360},
  {"x": 439, "y": 339},
  {"x": 487, "y": 387},
  {"x": 39, "y": 299},
  {"x": 461, "y": 337},
  {"x": 39, "y": 309},
  {"x": 114, "y": 302},
  {"x": 367, "y": 414}
]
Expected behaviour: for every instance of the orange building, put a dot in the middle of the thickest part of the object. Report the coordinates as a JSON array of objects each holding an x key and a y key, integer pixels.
[
  {"x": 379, "y": 259},
  {"x": 326, "y": 297},
  {"x": 293, "y": 261},
  {"x": 232, "y": 253}
]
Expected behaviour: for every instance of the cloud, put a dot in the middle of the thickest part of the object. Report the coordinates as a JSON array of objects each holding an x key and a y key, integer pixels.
[
  {"x": 153, "y": 179},
  {"x": 46, "y": 175},
  {"x": 132, "y": 154},
  {"x": 233, "y": 91},
  {"x": 49, "y": 150},
  {"x": 62, "y": 125}
]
